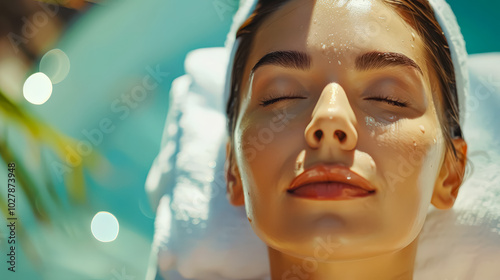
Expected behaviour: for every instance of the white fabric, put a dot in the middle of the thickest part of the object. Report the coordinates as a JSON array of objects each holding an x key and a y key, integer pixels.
[
  {"x": 448, "y": 23},
  {"x": 199, "y": 235}
]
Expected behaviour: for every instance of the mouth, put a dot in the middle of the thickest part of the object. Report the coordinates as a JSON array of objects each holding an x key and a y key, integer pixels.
[{"x": 332, "y": 182}]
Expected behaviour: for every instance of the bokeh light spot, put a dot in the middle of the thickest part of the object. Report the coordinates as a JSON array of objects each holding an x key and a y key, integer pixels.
[
  {"x": 55, "y": 64},
  {"x": 37, "y": 88},
  {"x": 104, "y": 226}
]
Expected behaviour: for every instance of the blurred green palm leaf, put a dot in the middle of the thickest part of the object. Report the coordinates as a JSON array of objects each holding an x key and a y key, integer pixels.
[{"x": 39, "y": 135}]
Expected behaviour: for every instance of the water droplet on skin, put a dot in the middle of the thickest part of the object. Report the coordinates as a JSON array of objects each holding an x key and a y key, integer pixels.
[
  {"x": 412, "y": 46},
  {"x": 383, "y": 18},
  {"x": 422, "y": 128},
  {"x": 335, "y": 49},
  {"x": 299, "y": 163},
  {"x": 413, "y": 36},
  {"x": 340, "y": 63},
  {"x": 369, "y": 120},
  {"x": 349, "y": 177},
  {"x": 314, "y": 21},
  {"x": 323, "y": 46},
  {"x": 414, "y": 143},
  {"x": 435, "y": 141}
]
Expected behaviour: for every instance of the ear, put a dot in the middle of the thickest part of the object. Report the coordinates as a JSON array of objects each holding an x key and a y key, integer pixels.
[
  {"x": 451, "y": 176},
  {"x": 233, "y": 178}
]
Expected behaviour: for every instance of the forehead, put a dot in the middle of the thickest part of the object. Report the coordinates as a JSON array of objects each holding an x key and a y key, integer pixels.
[{"x": 332, "y": 30}]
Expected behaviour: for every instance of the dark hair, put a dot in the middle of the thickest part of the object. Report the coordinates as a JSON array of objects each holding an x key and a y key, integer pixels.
[{"x": 417, "y": 13}]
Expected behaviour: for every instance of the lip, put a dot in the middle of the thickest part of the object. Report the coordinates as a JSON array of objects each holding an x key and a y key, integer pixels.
[{"x": 330, "y": 182}]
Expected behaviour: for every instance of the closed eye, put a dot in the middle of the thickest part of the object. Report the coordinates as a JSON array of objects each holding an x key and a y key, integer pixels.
[
  {"x": 390, "y": 100},
  {"x": 273, "y": 99}
]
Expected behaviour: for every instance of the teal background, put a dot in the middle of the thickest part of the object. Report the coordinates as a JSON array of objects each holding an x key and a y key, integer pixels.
[{"x": 480, "y": 24}]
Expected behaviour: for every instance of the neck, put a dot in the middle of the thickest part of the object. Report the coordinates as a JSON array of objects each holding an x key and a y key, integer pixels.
[{"x": 391, "y": 266}]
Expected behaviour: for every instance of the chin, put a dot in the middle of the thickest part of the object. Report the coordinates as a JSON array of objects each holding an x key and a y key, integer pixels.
[{"x": 326, "y": 245}]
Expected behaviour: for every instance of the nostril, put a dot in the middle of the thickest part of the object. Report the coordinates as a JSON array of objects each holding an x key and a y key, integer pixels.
[
  {"x": 340, "y": 135},
  {"x": 318, "y": 134}
]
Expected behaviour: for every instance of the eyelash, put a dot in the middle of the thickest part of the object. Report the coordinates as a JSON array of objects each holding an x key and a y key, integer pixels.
[
  {"x": 390, "y": 100},
  {"x": 275, "y": 98}
]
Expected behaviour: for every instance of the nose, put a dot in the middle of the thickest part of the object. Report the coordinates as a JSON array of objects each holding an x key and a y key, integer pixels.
[{"x": 332, "y": 120}]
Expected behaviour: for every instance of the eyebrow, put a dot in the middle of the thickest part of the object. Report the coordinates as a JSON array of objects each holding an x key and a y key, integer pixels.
[
  {"x": 375, "y": 60},
  {"x": 286, "y": 59},
  {"x": 368, "y": 61}
]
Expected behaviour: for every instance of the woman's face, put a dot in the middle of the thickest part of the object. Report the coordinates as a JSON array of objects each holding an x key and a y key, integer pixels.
[{"x": 358, "y": 96}]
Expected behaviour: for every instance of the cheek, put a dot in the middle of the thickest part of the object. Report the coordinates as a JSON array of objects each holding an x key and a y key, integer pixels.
[
  {"x": 407, "y": 154},
  {"x": 267, "y": 148},
  {"x": 261, "y": 160}
]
